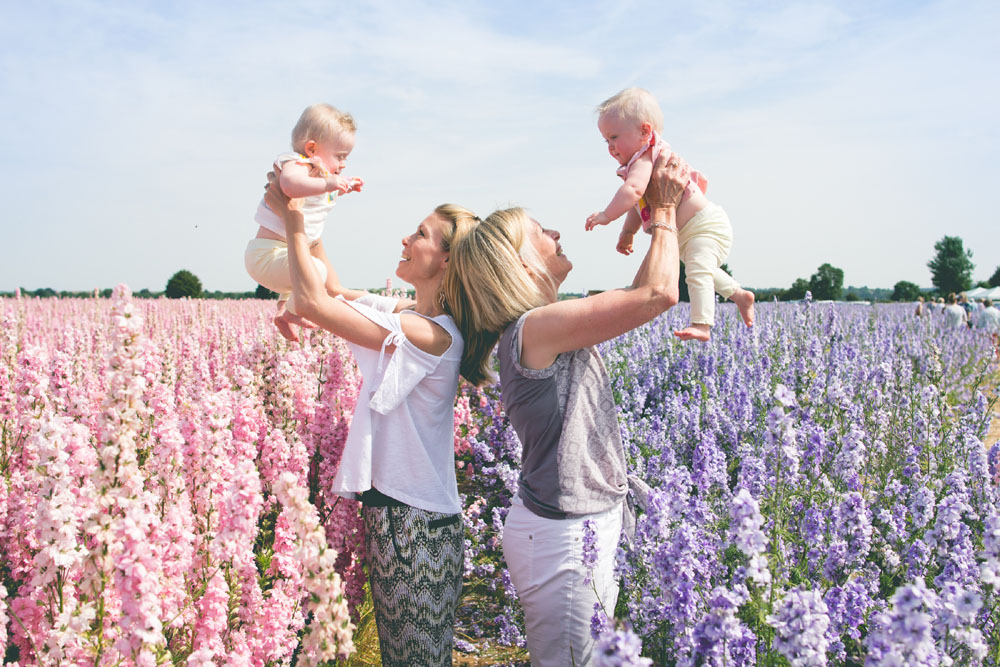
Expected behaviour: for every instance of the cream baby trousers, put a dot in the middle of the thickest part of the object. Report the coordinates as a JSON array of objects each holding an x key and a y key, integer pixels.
[
  {"x": 267, "y": 263},
  {"x": 704, "y": 245}
]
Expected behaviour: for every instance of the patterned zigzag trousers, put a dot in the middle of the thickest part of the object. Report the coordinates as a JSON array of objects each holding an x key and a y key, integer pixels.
[{"x": 415, "y": 567}]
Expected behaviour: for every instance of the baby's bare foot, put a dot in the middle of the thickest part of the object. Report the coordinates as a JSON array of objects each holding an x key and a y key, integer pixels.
[
  {"x": 701, "y": 332},
  {"x": 744, "y": 300},
  {"x": 281, "y": 320}
]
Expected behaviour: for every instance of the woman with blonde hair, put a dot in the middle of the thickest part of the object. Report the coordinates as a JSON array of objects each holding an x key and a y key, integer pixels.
[
  {"x": 399, "y": 458},
  {"x": 502, "y": 288}
]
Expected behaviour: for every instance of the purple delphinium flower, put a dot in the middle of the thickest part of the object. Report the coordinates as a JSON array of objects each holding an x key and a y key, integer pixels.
[
  {"x": 620, "y": 648},
  {"x": 744, "y": 527},
  {"x": 847, "y": 607},
  {"x": 720, "y": 637},
  {"x": 854, "y": 532},
  {"x": 903, "y": 635},
  {"x": 800, "y": 623}
]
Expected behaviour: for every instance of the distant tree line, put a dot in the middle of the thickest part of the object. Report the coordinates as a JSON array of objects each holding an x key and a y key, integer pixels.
[
  {"x": 951, "y": 271},
  {"x": 183, "y": 284}
]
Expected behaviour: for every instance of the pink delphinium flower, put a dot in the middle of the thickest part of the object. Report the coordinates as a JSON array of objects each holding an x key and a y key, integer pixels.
[
  {"x": 58, "y": 518},
  {"x": 122, "y": 506},
  {"x": 3, "y": 620},
  {"x": 30, "y": 391},
  {"x": 328, "y": 433},
  {"x": 61, "y": 552},
  {"x": 280, "y": 617},
  {"x": 465, "y": 426},
  {"x": 330, "y": 630},
  {"x": 239, "y": 513},
  {"x": 212, "y": 619},
  {"x": 175, "y": 539},
  {"x": 138, "y": 578}
]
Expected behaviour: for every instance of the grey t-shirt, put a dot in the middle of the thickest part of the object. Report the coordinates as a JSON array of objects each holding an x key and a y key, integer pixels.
[{"x": 572, "y": 461}]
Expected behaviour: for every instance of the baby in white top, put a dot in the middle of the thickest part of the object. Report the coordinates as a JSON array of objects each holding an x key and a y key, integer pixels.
[
  {"x": 631, "y": 123},
  {"x": 322, "y": 140}
]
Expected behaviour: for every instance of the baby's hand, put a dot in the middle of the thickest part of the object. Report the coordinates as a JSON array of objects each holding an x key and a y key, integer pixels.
[
  {"x": 335, "y": 183},
  {"x": 354, "y": 184},
  {"x": 597, "y": 219},
  {"x": 625, "y": 242}
]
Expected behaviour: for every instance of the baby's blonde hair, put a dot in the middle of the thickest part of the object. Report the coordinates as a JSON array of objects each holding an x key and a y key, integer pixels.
[
  {"x": 320, "y": 123},
  {"x": 633, "y": 104},
  {"x": 489, "y": 283}
]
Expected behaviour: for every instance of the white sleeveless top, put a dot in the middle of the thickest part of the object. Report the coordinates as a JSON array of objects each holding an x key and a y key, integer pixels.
[
  {"x": 315, "y": 209},
  {"x": 402, "y": 436}
]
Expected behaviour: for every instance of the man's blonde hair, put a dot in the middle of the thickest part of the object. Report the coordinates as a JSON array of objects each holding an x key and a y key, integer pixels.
[
  {"x": 633, "y": 104},
  {"x": 489, "y": 283},
  {"x": 320, "y": 123}
]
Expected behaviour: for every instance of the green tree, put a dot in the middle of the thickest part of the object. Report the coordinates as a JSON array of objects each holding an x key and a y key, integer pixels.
[
  {"x": 264, "y": 293},
  {"x": 951, "y": 267},
  {"x": 904, "y": 290},
  {"x": 182, "y": 284},
  {"x": 827, "y": 282},
  {"x": 796, "y": 291},
  {"x": 994, "y": 280}
]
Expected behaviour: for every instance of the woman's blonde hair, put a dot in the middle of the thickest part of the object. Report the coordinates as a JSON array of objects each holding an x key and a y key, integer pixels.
[
  {"x": 461, "y": 220},
  {"x": 489, "y": 283},
  {"x": 320, "y": 123},
  {"x": 633, "y": 104}
]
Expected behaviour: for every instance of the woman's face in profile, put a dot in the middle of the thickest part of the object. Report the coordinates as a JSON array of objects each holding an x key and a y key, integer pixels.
[
  {"x": 546, "y": 244},
  {"x": 423, "y": 256}
]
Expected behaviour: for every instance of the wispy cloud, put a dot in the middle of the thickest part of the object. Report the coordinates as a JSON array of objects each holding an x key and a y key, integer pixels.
[{"x": 142, "y": 130}]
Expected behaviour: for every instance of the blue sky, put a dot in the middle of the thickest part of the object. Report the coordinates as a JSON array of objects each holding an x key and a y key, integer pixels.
[{"x": 137, "y": 134}]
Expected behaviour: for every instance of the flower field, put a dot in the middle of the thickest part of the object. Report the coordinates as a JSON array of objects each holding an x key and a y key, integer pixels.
[{"x": 819, "y": 491}]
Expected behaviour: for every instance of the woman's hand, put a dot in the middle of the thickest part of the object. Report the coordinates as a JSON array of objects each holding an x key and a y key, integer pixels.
[
  {"x": 289, "y": 210},
  {"x": 666, "y": 186}
]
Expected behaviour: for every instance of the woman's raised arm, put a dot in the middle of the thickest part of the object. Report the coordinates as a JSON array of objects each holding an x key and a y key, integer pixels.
[
  {"x": 314, "y": 304},
  {"x": 573, "y": 324}
]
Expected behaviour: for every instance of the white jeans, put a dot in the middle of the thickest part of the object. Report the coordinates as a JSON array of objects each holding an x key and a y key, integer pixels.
[{"x": 545, "y": 560}]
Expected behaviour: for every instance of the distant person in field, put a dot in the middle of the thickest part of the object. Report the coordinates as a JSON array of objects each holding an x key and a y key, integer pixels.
[
  {"x": 399, "y": 457},
  {"x": 502, "y": 287},
  {"x": 989, "y": 321},
  {"x": 955, "y": 315},
  {"x": 989, "y": 318},
  {"x": 920, "y": 309},
  {"x": 322, "y": 140},
  {"x": 631, "y": 123}
]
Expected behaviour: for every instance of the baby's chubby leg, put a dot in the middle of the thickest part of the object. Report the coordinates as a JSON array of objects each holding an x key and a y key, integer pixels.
[
  {"x": 744, "y": 300},
  {"x": 701, "y": 258},
  {"x": 728, "y": 288}
]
